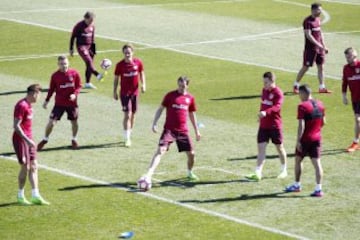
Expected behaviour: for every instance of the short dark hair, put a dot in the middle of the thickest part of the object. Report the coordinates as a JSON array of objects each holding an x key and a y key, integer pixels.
[
  {"x": 315, "y": 5},
  {"x": 184, "y": 78},
  {"x": 128, "y": 45},
  {"x": 61, "y": 57},
  {"x": 305, "y": 89},
  {"x": 34, "y": 88},
  {"x": 349, "y": 50},
  {"x": 269, "y": 75},
  {"x": 89, "y": 14}
]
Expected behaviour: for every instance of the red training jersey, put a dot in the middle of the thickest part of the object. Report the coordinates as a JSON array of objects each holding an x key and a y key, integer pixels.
[
  {"x": 129, "y": 73},
  {"x": 314, "y": 25},
  {"x": 177, "y": 108},
  {"x": 351, "y": 78},
  {"x": 83, "y": 33},
  {"x": 23, "y": 111},
  {"x": 271, "y": 102},
  {"x": 313, "y": 112},
  {"x": 64, "y": 84}
]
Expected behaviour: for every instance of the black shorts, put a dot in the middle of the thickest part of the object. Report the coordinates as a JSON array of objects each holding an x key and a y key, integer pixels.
[
  {"x": 183, "y": 140},
  {"x": 311, "y": 56},
  {"x": 58, "y": 111}
]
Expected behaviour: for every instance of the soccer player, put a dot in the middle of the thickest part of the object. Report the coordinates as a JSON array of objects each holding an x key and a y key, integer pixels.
[
  {"x": 270, "y": 126},
  {"x": 66, "y": 84},
  {"x": 25, "y": 147},
  {"x": 351, "y": 78},
  {"x": 84, "y": 32},
  {"x": 315, "y": 48},
  {"x": 179, "y": 105},
  {"x": 129, "y": 71},
  {"x": 311, "y": 116}
]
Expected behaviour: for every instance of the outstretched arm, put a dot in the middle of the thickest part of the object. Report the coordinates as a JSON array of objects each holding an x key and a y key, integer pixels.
[{"x": 193, "y": 120}]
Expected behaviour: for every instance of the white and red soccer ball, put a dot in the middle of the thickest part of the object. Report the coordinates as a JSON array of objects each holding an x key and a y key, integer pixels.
[
  {"x": 144, "y": 183},
  {"x": 105, "y": 64}
]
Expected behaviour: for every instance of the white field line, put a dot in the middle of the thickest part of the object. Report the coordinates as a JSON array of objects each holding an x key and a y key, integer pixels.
[
  {"x": 342, "y": 2},
  {"x": 326, "y": 19},
  {"x": 172, "y": 49},
  {"x": 163, "y": 199},
  {"x": 117, "y": 7}
]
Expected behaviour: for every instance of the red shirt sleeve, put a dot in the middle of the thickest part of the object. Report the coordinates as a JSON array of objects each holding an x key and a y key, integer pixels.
[
  {"x": 166, "y": 100},
  {"x": 19, "y": 112},
  {"x": 192, "y": 106},
  {"x": 344, "y": 81},
  {"x": 78, "y": 85},
  {"x": 52, "y": 88},
  {"x": 277, "y": 102},
  {"x": 301, "y": 112},
  {"x": 73, "y": 36}
]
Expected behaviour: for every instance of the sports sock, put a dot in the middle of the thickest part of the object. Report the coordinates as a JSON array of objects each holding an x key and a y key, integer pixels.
[
  {"x": 21, "y": 193},
  {"x": 46, "y": 138},
  {"x": 283, "y": 167},
  {"x": 318, "y": 187},
  {"x": 296, "y": 84},
  {"x": 35, "y": 192},
  {"x": 356, "y": 140},
  {"x": 297, "y": 184},
  {"x": 74, "y": 138},
  {"x": 322, "y": 86}
]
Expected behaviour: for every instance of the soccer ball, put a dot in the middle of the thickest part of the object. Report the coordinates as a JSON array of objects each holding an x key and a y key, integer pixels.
[
  {"x": 105, "y": 64},
  {"x": 144, "y": 183}
]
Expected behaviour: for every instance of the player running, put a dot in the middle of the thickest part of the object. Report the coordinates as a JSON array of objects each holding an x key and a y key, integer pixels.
[
  {"x": 311, "y": 116},
  {"x": 351, "y": 78},
  {"x": 84, "y": 32},
  {"x": 25, "y": 147},
  {"x": 270, "y": 126},
  {"x": 129, "y": 71},
  {"x": 315, "y": 48},
  {"x": 179, "y": 105},
  {"x": 66, "y": 84}
]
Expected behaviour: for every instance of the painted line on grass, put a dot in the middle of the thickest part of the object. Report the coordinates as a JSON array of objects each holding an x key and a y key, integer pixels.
[
  {"x": 342, "y": 2},
  {"x": 125, "y": 6},
  {"x": 150, "y": 46},
  {"x": 163, "y": 199}
]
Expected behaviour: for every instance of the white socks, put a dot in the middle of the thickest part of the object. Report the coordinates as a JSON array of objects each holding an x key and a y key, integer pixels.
[
  {"x": 127, "y": 134},
  {"x": 35, "y": 192},
  {"x": 322, "y": 86},
  {"x": 21, "y": 193}
]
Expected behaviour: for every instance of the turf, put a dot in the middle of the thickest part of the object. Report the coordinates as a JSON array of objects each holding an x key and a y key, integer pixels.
[{"x": 227, "y": 95}]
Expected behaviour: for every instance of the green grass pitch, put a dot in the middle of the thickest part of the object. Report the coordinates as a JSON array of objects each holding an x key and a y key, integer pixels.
[{"x": 224, "y": 46}]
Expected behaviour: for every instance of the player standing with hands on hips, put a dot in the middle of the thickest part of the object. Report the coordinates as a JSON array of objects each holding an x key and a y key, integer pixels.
[
  {"x": 84, "y": 33},
  {"x": 311, "y": 118},
  {"x": 179, "y": 105},
  {"x": 66, "y": 84},
  {"x": 25, "y": 147},
  {"x": 351, "y": 78},
  {"x": 270, "y": 126},
  {"x": 129, "y": 71},
  {"x": 315, "y": 48}
]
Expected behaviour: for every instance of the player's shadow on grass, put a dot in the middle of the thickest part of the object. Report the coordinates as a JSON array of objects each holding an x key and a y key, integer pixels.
[
  {"x": 185, "y": 183},
  {"x": 44, "y": 90},
  {"x": 235, "y": 98},
  {"x": 10, "y": 204},
  {"x": 290, "y": 155},
  {"x": 130, "y": 186},
  {"x": 246, "y": 197}
]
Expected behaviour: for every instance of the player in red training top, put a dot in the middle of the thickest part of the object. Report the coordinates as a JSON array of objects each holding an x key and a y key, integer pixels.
[
  {"x": 84, "y": 32},
  {"x": 179, "y": 105},
  {"x": 311, "y": 116},
  {"x": 66, "y": 84},
  {"x": 351, "y": 78},
  {"x": 270, "y": 126},
  {"x": 25, "y": 147},
  {"x": 129, "y": 71},
  {"x": 315, "y": 48}
]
